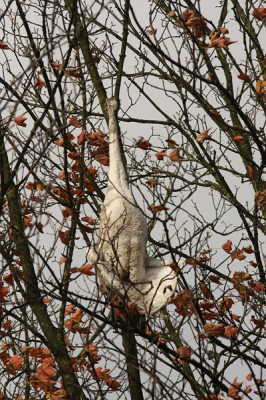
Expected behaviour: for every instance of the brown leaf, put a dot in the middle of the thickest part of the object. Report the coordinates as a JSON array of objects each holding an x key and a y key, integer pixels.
[
  {"x": 230, "y": 331},
  {"x": 174, "y": 156},
  {"x": 248, "y": 389},
  {"x": 259, "y": 13},
  {"x": 59, "y": 142},
  {"x": 39, "y": 83},
  {"x": 214, "y": 329},
  {"x": 257, "y": 286},
  {"x": 238, "y": 254},
  {"x": 62, "y": 260},
  {"x": 64, "y": 236},
  {"x": 234, "y": 390},
  {"x": 215, "y": 279},
  {"x": 86, "y": 269},
  {"x": 4, "y": 46},
  {"x": 257, "y": 322},
  {"x": 248, "y": 249},
  {"x": 143, "y": 144},
  {"x": 74, "y": 155},
  {"x": 244, "y": 77},
  {"x": 204, "y": 136},
  {"x": 151, "y": 182},
  {"x": 223, "y": 30},
  {"x": 27, "y": 221},
  {"x": 171, "y": 142},
  {"x": 253, "y": 264},
  {"x": 39, "y": 226},
  {"x": 205, "y": 291},
  {"x": 227, "y": 247},
  {"x": 82, "y": 137},
  {"x": 184, "y": 353},
  {"x": 161, "y": 154},
  {"x": 20, "y": 120},
  {"x": 171, "y": 14},
  {"x": 251, "y": 171},
  {"x": 216, "y": 114},
  {"x": 75, "y": 122},
  {"x": 249, "y": 377},
  {"x": 240, "y": 277},
  {"x": 156, "y": 209}
]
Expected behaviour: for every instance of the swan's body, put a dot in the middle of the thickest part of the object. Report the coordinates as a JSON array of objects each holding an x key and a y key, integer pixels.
[{"x": 120, "y": 255}]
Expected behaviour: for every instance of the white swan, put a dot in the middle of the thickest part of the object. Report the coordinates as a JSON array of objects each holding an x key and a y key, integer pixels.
[{"x": 120, "y": 255}]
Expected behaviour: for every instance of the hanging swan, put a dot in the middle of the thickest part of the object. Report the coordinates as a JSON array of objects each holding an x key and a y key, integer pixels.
[{"x": 120, "y": 257}]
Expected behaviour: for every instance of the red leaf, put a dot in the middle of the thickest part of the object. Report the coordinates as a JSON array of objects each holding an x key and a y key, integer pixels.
[
  {"x": 89, "y": 220},
  {"x": 103, "y": 159},
  {"x": 239, "y": 139}
]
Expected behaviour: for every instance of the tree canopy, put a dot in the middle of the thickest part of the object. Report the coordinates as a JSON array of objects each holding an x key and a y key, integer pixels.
[{"x": 190, "y": 80}]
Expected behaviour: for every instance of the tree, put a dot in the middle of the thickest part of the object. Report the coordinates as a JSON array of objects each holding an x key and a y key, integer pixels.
[{"x": 190, "y": 81}]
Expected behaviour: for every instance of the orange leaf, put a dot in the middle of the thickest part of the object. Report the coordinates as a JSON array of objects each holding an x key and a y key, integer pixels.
[
  {"x": 70, "y": 309},
  {"x": 253, "y": 264},
  {"x": 239, "y": 139},
  {"x": 3, "y": 292},
  {"x": 143, "y": 144},
  {"x": 227, "y": 246},
  {"x": 260, "y": 87},
  {"x": 20, "y": 120},
  {"x": 16, "y": 362},
  {"x": 62, "y": 260},
  {"x": 86, "y": 269}
]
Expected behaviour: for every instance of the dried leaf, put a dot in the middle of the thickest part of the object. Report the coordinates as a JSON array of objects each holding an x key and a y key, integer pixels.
[
  {"x": 239, "y": 139},
  {"x": 4, "y": 46},
  {"x": 174, "y": 156},
  {"x": 237, "y": 254},
  {"x": 74, "y": 155},
  {"x": 244, "y": 77},
  {"x": 251, "y": 171},
  {"x": 160, "y": 155},
  {"x": 143, "y": 144},
  {"x": 204, "y": 136},
  {"x": 214, "y": 329},
  {"x": 205, "y": 291},
  {"x": 151, "y": 182},
  {"x": 20, "y": 120},
  {"x": 75, "y": 122},
  {"x": 227, "y": 247},
  {"x": 156, "y": 209},
  {"x": 230, "y": 331},
  {"x": 64, "y": 236},
  {"x": 234, "y": 390},
  {"x": 171, "y": 142},
  {"x": 259, "y": 13},
  {"x": 86, "y": 269}
]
